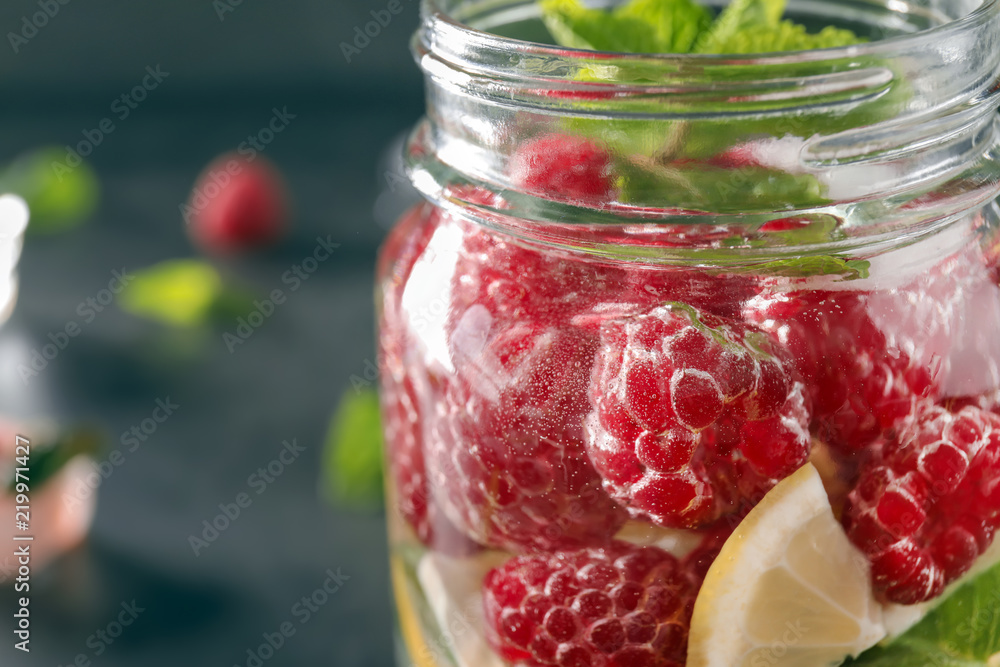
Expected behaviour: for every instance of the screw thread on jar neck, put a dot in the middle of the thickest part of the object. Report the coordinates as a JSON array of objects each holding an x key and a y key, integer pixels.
[{"x": 894, "y": 137}]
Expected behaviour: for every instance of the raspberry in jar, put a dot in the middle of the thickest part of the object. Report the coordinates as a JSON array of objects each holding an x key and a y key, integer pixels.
[{"x": 680, "y": 342}]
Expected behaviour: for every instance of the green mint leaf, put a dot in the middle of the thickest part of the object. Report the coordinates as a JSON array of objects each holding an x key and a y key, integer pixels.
[
  {"x": 675, "y": 24},
  {"x": 639, "y": 26},
  {"x": 812, "y": 229},
  {"x": 59, "y": 197},
  {"x": 177, "y": 292},
  {"x": 963, "y": 631},
  {"x": 576, "y": 26},
  {"x": 352, "y": 467},
  {"x": 915, "y": 654},
  {"x": 702, "y": 187},
  {"x": 49, "y": 457},
  {"x": 740, "y": 16},
  {"x": 785, "y": 36},
  {"x": 818, "y": 265}
]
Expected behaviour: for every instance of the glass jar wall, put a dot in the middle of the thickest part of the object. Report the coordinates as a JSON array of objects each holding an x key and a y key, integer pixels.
[{"x": 655, "y": 306}]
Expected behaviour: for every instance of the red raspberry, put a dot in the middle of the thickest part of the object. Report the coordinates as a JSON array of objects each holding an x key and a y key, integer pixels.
[
  {"x": 693, "y": 414},
  {"x": 928, "y": 503},
  {"x": 237, "y": 204},
  {"x": 719, "y": 294},
  {"x": 405, "y": 454},
  {"x": 860, "y": 381},
  {"x": 739, "y": 156},
  {"x": 516, "y": 282},
  {"x": 620, "y": 606},
  {"x": 990, "y": 245},
  {"x": 590, "y": 95},
  {"x": 956, "y": 309},
  {"x": 989, "y": 401},
  {"x": 564, "y": 167},
  {"x": 400, "y": 405},
  {"x": 771, "y": 153},
  {"x": 400, "y": 251},
  {"x": 505, "y": 451},
  {"x": 404, "y": 440},
  {"x": 790, "y": 224}
]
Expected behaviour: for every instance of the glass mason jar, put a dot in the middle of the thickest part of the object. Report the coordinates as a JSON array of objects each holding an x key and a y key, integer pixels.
[
  {"x": 645, "y": 289},
  {"x": 13, "y": 222}
]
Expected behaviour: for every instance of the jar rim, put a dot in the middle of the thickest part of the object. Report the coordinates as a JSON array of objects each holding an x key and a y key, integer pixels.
[
  {"x": 931, "y": 152},
  {"x": 436, "y": 17}
]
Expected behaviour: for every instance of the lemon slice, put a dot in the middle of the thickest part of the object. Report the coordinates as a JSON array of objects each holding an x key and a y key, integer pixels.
[
  {"x": 410, "y": 626},
  {"x": 788, "y": 589}
]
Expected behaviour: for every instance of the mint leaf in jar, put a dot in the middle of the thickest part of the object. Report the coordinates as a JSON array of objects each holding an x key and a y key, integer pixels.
[
  {"x": 962, "y": 631},
  {"x": 639, "y": 26},
  {"x": 820, "y": 265},
  {"x": 711, "y": 188},
  {"x": 783, "y": 36},
  {"x": 755, "y": 26},
  {"x": 740, "y": 17},
  {"x": 691, "y": 165},
  {"x": 683, "y": 26}
]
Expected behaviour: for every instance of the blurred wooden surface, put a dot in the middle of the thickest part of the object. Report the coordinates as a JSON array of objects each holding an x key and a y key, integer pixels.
[{"x": 235, "y": 409}]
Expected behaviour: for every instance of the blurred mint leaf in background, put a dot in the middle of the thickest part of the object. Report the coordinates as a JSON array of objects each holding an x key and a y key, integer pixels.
[
  {"x": 352, "y": 455},
  {"x": 180, "y": 292},
  {"x": 963, "y": 631},
  {"x": 639, "y": 26},
  {"x": 59, "y": 198},
  {"x": 49, "y": 456}
]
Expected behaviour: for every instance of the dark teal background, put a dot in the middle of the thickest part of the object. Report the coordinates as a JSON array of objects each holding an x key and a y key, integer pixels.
[{"x": 225, "y": 77}]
